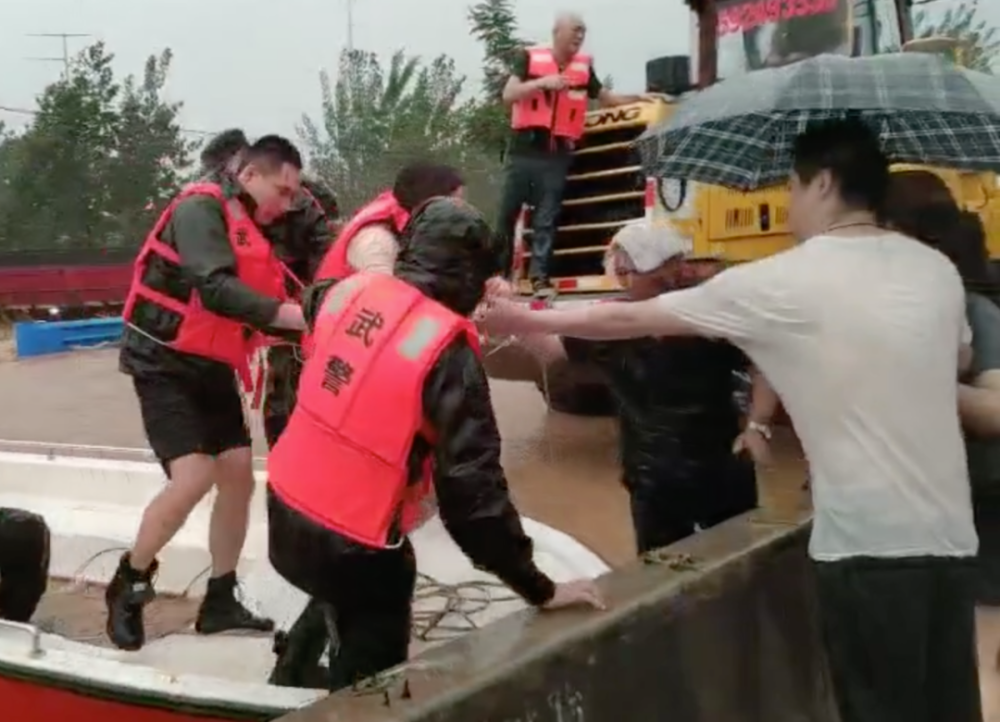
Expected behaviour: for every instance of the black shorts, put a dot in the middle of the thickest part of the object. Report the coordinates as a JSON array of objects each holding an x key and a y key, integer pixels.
[
  {"x": 196, "y": 414},
  {"x": 900, "y": 638}
]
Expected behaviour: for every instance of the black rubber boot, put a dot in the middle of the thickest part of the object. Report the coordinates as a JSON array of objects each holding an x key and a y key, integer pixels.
[
  {"x": 128, "y": 592},
  {"x": 221, "y": 611},
  {"x": 300, "y": 649}
]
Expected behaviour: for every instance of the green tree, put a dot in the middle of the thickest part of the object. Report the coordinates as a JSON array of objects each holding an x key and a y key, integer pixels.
[
  {"x": 8, "y": 163},
  {"x": 374, "y": 120},
  {"x": 495, "y": 26},
  {"x": 97, "y": 152},
  {"x": 980, "y": 41},
  {"x": 151, "y": 150}
]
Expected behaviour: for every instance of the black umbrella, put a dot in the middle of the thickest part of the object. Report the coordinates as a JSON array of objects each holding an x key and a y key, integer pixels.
[{"x": 740, "y": 132}]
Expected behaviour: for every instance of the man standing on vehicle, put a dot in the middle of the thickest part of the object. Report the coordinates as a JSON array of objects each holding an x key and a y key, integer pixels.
[
  {"x": 207, "y": 283},
  {"x": 547, "y": 92}
]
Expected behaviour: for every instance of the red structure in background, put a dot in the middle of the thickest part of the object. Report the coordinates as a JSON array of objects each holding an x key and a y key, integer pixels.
[{"x": 76, "y": 282}]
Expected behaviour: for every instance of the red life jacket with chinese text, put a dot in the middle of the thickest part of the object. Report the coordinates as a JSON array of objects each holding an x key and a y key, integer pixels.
[{"x": 343, "y": 459}]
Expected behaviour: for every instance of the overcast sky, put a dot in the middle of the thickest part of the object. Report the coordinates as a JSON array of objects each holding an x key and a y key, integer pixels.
[{"x": 255, "y": 63}]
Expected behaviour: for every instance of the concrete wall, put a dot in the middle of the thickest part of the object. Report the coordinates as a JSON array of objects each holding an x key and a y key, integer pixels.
[{"x": 727, "y": 632}]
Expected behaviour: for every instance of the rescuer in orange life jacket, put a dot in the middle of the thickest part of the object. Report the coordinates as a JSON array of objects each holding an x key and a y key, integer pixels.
[
  {"x": 393, "y": 408},
  {"x": 547, "y": 92},
  {"x": 301, "y": 237},
  {"x": 207, "y": 283},
  {"x": 369, "y": 241}
]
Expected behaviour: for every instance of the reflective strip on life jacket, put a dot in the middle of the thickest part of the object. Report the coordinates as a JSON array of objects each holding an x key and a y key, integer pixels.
[{"x": 343, "y": 460}]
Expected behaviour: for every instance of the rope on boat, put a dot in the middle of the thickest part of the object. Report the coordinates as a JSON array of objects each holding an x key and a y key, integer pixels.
[
  {"x": 442, "y": 611},
  {"x": 455, "y": 606}
]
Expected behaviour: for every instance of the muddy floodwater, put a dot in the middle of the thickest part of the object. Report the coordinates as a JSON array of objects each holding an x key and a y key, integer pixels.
[{"x": 562, "y": 469}]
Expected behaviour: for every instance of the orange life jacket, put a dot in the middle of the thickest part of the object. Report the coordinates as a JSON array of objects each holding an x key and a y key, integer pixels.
[
  {"x": 563, "y": 112},
  {"x": 384, "y": 209},
  {"x": 199, "y": 331},
  {"x": 342, "y": 461}
]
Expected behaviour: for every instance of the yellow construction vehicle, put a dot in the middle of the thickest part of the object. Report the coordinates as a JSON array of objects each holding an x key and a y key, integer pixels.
[{"x": 606, "y": 187}]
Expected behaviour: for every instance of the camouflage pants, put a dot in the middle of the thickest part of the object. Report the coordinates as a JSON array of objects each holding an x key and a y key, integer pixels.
[{"x": 283, "y": 371}]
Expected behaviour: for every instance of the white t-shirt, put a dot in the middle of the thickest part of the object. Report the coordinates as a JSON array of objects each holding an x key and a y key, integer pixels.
[{"x": 860, "y": 338}]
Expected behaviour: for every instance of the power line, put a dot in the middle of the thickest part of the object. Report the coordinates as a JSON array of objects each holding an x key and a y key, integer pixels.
[
  {"x": 26, "y": 111},
  {"x": 65, "y": 48}
]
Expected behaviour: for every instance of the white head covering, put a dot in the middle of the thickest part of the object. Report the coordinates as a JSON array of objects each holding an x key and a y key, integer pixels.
[{"x": 648, "y": 245}]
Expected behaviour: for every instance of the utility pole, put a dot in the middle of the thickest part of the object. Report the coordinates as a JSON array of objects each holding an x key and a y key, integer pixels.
[
  {"x": 350, "y": 25},
  {"x": 65, "y": 49}
]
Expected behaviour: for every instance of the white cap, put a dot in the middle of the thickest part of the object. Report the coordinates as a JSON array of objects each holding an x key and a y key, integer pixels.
[{"x": 650, "y": 245}]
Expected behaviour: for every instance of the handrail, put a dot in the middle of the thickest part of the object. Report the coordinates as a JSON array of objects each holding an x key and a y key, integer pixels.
[{"x": 34, "y": 634}]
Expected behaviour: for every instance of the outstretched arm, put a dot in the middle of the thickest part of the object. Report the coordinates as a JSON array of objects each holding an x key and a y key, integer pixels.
[
  {"x": 601, "y": 321},
  {"x": 471, "y": 487},
  {"x": 736, "y": 305}
]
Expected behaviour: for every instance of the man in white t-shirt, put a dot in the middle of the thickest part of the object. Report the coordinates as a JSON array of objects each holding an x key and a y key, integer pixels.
[{"x": 862, "y": 333}]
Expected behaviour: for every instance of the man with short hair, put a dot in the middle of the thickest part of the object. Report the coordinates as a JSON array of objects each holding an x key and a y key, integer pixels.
[
  {"x": 861, "y": 331},
  {"x": 547, "y": 93},
  {"x": 207, "y": 285}
]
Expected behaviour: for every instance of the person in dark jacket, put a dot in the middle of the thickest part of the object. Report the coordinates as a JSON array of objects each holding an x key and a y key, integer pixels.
[
  {"x": 920, "y": 205},
  {"x": 191, "y": 405},
  {"x": 301, "y": 238},
  {"x": 25, "y": 541},
  {"x": 687, "y": 456},
  {"x": 447, "y": 253}
]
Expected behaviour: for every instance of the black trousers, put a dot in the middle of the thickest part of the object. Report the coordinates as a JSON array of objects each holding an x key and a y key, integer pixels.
[
  {"x": 25, "y": 543},
  {"x": 539, "y": 181},
  {"x": 986, "y": 506},
  {"x": 900, "y": 637},
  {"x": 672, "y": 504},
  {"x": 366, "y": 594}
]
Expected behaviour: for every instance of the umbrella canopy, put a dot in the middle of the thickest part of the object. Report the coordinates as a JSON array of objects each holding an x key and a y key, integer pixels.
[{"x": 740, "y": 132}]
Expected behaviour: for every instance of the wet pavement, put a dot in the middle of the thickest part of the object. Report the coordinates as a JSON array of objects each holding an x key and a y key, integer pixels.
[{"x": 562, "y": 469}]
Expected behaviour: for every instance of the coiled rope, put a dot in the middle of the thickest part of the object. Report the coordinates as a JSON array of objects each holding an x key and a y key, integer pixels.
[{"x": 441, "y": 611}]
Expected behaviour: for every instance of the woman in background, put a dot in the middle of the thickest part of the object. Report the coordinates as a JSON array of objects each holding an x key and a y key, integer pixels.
[{"x": 920, "y": 205}]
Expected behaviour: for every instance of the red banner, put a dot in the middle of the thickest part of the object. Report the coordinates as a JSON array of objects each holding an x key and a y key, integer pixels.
[{"x": 742, "y": 15}]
